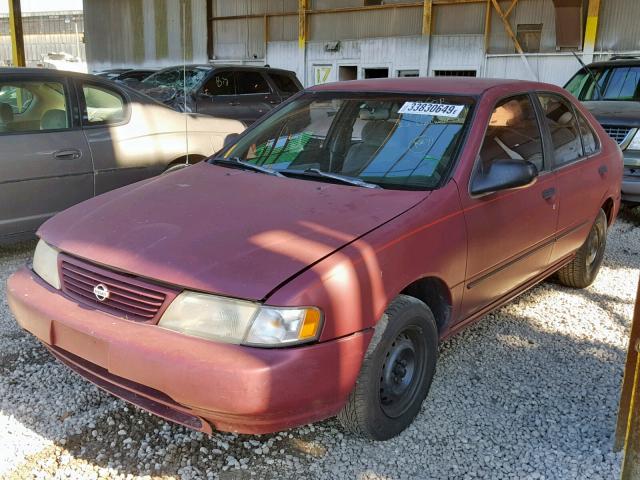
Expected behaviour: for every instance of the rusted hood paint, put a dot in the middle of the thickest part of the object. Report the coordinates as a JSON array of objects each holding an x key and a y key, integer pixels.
[{"x": 215, "y": 229}]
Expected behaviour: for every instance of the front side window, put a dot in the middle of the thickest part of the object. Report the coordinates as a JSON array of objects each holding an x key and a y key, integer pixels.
[
  {"x": 563, "y": 128},
  {"x": 30, "y": 106},
  {"x": 513, "y": 134},
  {"x": 251, "y": 82},
  {"x": 103, "y": 105},
  {"x": 393, "y": 141}
]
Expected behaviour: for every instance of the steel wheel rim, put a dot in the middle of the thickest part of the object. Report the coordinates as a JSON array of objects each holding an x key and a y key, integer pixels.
[{"x": 401, "y": 373}]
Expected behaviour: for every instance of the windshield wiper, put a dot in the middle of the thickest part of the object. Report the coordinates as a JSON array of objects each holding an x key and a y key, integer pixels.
[
  {"x": 237, "y": 163},
  {"x": 317, "y": 173}
]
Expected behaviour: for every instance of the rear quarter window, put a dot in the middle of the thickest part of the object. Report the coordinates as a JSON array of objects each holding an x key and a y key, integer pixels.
[{"x": 284, "y": 83}]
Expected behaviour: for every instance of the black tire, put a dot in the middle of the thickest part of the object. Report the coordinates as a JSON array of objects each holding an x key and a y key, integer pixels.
[
  {"x": 175, "y": 167},
  {"x": 583, "y": 269},
  {"x": 389, "y": 393}
]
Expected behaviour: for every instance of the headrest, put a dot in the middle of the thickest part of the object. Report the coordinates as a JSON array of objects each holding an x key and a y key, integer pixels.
[
  {"x": 53, "y": 120},
  {"x": 6, "y": 113},
  {"x": 565, "y": 118},
  {"x": 374, "y": 113},
  {"x": 375, "y": 132}
]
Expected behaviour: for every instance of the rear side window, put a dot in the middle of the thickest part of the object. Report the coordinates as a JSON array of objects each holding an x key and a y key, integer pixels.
[
  {"x": 221, "y": 83},
  {"x": 563, "y": 128},
  {"x": 284, "y": 83},
  {"x": 19, "y": 99},
  {"x": 103, "y": 105},
  {"x": 513, "y": 133},
  {"x": 251, "y": 82},
  {"x": 590, "y": 143}
]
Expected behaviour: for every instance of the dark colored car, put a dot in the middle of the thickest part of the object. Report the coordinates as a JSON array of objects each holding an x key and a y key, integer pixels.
[
  {"x": 111, "y": 73},
  {"x": 311, "y": 268},
  {"x": 65, "y": 137},
  {"x": 611, "y": 91},
  {"x": 238, "y": 92},
  {"x": 136, "y": 74}
]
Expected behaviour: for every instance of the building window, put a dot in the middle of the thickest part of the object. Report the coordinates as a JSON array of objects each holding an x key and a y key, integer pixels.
[
  {"x": 529, "y": 35},
  {"x": 376, "y": 72},
  {"x": 347, "y": 72},
  {"x": 408, "y": 73},
  {"x": 368, "y": 3},
  {"x": 454, "y": 73}
]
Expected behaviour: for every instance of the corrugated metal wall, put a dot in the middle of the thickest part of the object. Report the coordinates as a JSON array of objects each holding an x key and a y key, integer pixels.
[
  {"x": 619, "y": 25},
  {"x": 144, "y": 32},
  {"x": 527, "y": 11},
  {"x": 458, "y": 19},
  {"x": 394, "y": 22}
]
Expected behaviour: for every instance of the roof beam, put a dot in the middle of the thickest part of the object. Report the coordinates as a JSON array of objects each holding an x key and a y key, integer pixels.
[{"x": 17, "y": 37}]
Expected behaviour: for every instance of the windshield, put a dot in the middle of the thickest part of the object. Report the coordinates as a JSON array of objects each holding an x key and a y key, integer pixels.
[
  {"x": 394, "y": 141},
  {"x": 606, "y": 83},
  {"x": 173, "y": 77}
]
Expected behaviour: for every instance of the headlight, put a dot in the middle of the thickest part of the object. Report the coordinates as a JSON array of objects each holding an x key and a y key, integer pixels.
[
  {"x": 45, "y": 263},
  {"x": 635, "y": 143},
  {"x": 239, "y": 321}
]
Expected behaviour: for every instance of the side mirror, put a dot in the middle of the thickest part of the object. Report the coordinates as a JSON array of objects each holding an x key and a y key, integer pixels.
[
  {"x": 504, "y": 175},
  {"x": 231, "y": 138}
]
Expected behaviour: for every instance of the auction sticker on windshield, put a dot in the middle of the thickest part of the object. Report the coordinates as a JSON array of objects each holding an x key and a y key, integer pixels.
[{"x": 440, "y": 109}]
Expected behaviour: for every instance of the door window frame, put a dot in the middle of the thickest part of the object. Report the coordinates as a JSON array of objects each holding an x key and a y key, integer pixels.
[
  {"x": 84, "y": 115},
  {"x": 546, "y": 163},
  {"x": 69, "y": 93},
  {"x": 554, "y": 165},
  {"x": 264, "y": 77}
]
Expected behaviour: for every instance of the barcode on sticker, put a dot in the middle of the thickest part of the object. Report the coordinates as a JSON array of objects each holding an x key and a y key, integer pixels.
[{"x": 439, "y": 109}]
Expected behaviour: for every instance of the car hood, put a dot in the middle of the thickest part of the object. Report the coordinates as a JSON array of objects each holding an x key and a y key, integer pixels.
[
  {"x": 619, "y": 112},
  {"x": 220, "y": 230}
]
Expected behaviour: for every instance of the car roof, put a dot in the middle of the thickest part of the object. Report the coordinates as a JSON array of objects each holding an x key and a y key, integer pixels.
[
  {"x": 47, "y": 71},
  {"x": 209, "y": 66},
  {"x": 448, "y": 85},
  {"x": 617, "y": 62}
]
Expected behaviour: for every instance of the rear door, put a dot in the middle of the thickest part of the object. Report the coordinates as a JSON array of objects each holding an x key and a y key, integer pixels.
[
  {"x": 254, "y": 95},
  {"x": 45, "y": 162},
  {"x": 122, "y": 153},
  {"x": 511, "y": 232},
  {"x": 582, "y": 175}
]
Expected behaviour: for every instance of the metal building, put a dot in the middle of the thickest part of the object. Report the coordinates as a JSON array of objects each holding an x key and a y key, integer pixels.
[{"x": 327, "y": 40}]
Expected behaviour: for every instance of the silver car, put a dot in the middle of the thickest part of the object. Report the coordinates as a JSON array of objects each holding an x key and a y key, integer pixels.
[{"x": 66, "y": 137}]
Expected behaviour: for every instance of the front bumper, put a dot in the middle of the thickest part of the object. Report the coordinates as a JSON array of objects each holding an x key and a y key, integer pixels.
[
  {"x": 631, "y": 177},
  {"x": 191, "y": 381}
]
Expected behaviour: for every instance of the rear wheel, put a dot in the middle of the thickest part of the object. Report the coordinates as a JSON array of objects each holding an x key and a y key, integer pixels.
[
  {"x": 396, "y": 373},
  {"x": 583, "y": 269}
]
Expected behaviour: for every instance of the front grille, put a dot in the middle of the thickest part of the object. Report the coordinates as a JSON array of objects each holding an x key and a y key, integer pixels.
[
  {"x": 619, "y": 134},
  {"x": 129, "y": 297}
]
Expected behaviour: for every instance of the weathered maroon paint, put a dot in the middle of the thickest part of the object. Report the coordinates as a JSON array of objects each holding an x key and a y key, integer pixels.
[{"x": 287, "y": 242}]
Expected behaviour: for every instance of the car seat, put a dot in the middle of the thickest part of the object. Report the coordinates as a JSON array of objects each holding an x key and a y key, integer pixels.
[
  {"x": 6, "y": 116},
  {"x": 374, "y": 134},
  {"x": 54, "y": 119}
]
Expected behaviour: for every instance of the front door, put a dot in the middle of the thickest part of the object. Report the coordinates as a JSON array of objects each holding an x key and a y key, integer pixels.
[
  {"x": 255, "y": 97},
  {"x": 45, "y": 164},
  {"x": 510, "y": 233}
]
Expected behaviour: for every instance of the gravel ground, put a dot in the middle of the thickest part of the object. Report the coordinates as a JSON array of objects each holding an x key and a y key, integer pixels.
[{"x": 531, "y": 391}]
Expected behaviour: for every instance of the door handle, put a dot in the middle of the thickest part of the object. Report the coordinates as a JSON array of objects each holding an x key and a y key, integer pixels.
[
  {"x": 603, "y": 170},
  {"x": 549, "y": 193},
  {"x": 233, "y": 104},
  {"x": 67, "y": 154}
]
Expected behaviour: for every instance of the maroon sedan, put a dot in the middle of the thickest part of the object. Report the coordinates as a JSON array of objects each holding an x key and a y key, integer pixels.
[{"x": 312, "y": 267}]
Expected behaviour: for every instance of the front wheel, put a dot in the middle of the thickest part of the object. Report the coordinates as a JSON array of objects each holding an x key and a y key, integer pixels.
[
  {"x": 396, "y": 372},
  {"x": 583, "y": 269}
]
